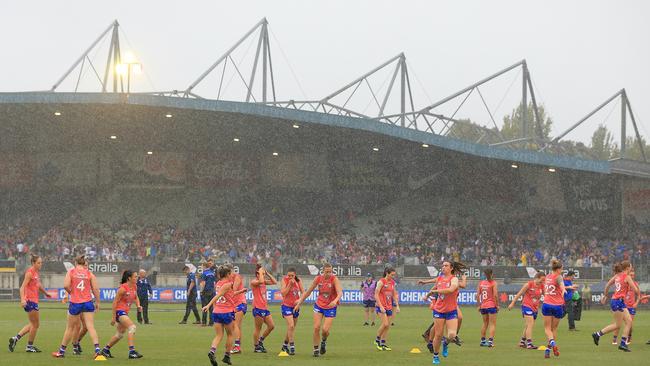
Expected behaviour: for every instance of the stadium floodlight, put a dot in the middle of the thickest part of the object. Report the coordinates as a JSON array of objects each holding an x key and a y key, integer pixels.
[
  {"x": 57, "y": 113},
  {"x": 113, "y": 137},
  {"x": 275, "y": 154},
  {"x": 169, "y": 115},
  {"x": 514, "y": 166},
  {"x": 149, "y": 152},
  {"x": 126, "y": 67},
  {"x": 236, "y": 139},
  {"x": 375, "y": 149},
  {"x": 552, "y": 170},
  {"x": 295, "y": 126},
  {"x": 425, "y": 145}
]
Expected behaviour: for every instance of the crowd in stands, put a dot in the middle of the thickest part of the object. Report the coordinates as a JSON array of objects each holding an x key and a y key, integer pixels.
[{"x": 527, "y": 240}]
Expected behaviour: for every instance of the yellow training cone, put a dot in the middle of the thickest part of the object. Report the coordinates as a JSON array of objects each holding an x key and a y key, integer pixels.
[
  {"x": 415, "y": 350},
  {"x": 100, "y": 358},
  {"x": 541, "y": 348},
  {"x": 283, "y": 354}
]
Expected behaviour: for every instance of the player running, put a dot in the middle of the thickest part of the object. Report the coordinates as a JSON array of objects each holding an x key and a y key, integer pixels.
[
  {"x": 329, "y": 294},
  {"x": 261, "y": 312},
  {"x": 82, "y": 286},
  {"x": 488, "y": 306},
  {"x": 291, "y": 289},
  {"x": 126, "y": 295},
  {"x": 223, "y": 313},
  {"x": 553, "y": 306},
  {"x": 622, "y": 320},
  {"x": 369, "y": 302},
  {"x": 532, "y": 292},
  {"x": 386, "y": 296},
  {"x": 444, "y": 309},
  {"x": 29, "y": 291},
  {"x": 240, "y": 309},
  {"x": 631, "y": 302}
]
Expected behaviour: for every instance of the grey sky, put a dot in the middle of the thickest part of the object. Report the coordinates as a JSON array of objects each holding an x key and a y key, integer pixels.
[{"x": 579, "y": 52}]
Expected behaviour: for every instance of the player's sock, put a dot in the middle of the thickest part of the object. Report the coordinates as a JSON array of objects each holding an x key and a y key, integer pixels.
[
  {"x": 600, "y": 333},
  {"x": 522, "y": 340},
  {"x": 97, "y": 349},
  {"x": 551, "y": 343},
  {"x": 491, "y": 341},
  {"x": 62, "y": 349},
  {"x": 623, "y": 341},
  {"x": 30, "y": 344},
  {"x": 382, "y": 342},
  {"x": 237, "y": 343},
  {"x": 261, "y": 339},
  {"x": 213, "y": 350},
  {"x": 482, "y": 339},
  {"x": 614, "y": 339},
  {"x": 18, "y": 336},
  {"x": 529, "y": 342}
]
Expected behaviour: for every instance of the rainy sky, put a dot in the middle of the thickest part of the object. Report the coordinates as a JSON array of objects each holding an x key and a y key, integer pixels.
[{"x": 579, "y": 52}]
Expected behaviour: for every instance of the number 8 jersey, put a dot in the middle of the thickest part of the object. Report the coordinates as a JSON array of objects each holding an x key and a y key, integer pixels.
[
  {"x": 80, "y": 283},
  {"x": 552, "y": 290}
]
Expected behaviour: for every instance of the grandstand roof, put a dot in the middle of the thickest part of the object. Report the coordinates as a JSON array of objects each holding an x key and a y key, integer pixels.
[{"x": 92, "y": 117}]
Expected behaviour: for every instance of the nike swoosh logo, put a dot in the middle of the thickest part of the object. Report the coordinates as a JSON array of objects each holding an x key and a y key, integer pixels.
[{"x": 417, "y": 184}]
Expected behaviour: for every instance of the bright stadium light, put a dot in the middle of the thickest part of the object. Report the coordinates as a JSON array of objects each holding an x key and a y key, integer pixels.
[
  {"x": 128, "y": 66},
  {"x": 514, "y": 166},
  {"x": 375, "y": 149},
  {"x": 113, "y": 137},
  {"x": 57, "y": 113},
  {"x": 425, "y": 145},
  {"x": 275, "y": 154},
  {"x": 169, "y": 115},
  {"x": 552, "y": 170},
  {"x": 295, "y": 126},
  {"x": 235, "y": 139},
  {"x": 149, "y": 152}
]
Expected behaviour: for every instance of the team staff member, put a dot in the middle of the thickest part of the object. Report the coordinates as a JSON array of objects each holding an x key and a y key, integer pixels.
[
  {"x": 144, "y": 290},
  {"x": 368, "y": 291},
  {"x": 190, "y": 302},
  {"x": 329, "y": 294},
  {"x": 568, "y": 299},
  {"x": 29, "y": 301},
  {"x": 208, "y": 280}
]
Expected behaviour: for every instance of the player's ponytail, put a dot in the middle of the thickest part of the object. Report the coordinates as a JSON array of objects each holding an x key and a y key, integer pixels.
[
  {"x": 457, "y": 268},
  {"x": 617, "y": 268},
  {"x": 224, "y": 271},
  {"x": 34, "y": 258},
  {"x": 556, "y": 264},
  {"x": 489, "y": 275},
  {"x": 625, "y": 265},
  {"x": 126, "y": 275},
  {"x": 81, "y": 260}
]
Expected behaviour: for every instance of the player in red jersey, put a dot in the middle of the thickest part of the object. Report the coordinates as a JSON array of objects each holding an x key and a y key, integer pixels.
[
  {"x": 329, "y": 294},
  {"x": 488, "y": 306},
  {"x": 631, "y": 302},
  {"x": 82, "y": 286},
  {"x": 29, "y": 291},
  {"x": 240, "y": 309},
  {"x": 386, "y": 295},
  {"x": 223, "y": 313},
  {"x": 291, "y": 289},
  {"x": 261, "y": 312},
  {"x": 125, "y": 296},
  {"x": 445, "y": 311},
  {"x": 622, "y": 319},
  {"x": 553, "y": 306},
  {"x": 532, "y": 292},
  {"x": 81, "y": 330}
]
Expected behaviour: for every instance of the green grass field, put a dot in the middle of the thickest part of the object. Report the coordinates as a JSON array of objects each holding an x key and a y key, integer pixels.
[{"x": 167, "y": 343}]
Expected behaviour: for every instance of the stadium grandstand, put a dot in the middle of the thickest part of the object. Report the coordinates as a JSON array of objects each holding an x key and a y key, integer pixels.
[{"x": 166, "y": 177}]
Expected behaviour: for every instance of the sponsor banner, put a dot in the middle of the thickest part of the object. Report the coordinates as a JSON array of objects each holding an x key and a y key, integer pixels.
[
  {"x": 95, "y": 267},
  {"x": 408, "y": 297},
  {"x": 224, "y": 171},
  {"x": 592, "y": 193},
  {"x": 177, "y": 267},
  {"x": 515, "y": 273},
  {"x": 341, "y": 270},
  {"x": 7, "y": 266}
]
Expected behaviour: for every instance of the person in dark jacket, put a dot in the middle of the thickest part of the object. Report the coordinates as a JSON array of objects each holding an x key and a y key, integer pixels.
[
  {"x": 144, "y": 290},
  {"x": 208, "y": 280},
  {"x": 190, "y": 302}
]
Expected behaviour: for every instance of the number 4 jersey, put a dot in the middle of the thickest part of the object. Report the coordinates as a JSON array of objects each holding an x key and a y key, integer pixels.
[{"x": 80, "y": 283}]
